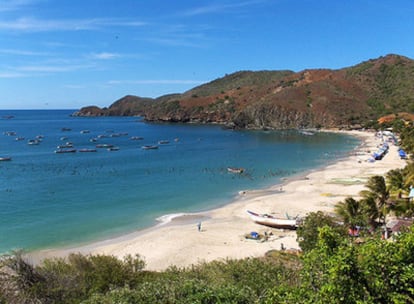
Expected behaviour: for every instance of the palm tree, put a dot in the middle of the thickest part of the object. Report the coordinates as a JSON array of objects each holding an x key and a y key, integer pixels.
[
  {"x": 351, "y": 212},
  {"x": 398, "y": 187},
  {"x": 395, "y": 180},
  {"x": 408, "y": 173},
  {"x": 376, "y": 197},
  {"x": 370, "y": 211}
]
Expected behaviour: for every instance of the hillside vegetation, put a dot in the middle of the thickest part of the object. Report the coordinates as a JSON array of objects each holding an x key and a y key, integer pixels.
[{"x": 347, "y": 97}]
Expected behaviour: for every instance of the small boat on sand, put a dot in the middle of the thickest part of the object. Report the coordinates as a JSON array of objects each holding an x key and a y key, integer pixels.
[{"x": 271, "y": 221}]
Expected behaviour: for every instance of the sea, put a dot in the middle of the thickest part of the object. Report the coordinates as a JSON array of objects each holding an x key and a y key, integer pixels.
[{"x": 53, "y": 200}]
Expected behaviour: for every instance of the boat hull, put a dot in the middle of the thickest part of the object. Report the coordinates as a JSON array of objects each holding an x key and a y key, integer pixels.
[{"x": 271, "y": 221}]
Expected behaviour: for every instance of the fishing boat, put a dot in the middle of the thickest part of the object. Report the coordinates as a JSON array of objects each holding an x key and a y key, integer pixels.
[
  {"x": 235, "y": 170},
  {"x": 104, "y": 146},
  {"x": 33, "y": 142},
  {"x": 136, "y": 138},
  {"x": 271, "y": 221},
  {"x": 66, "y": 146},
  {"x": 307, "y": 132},
  {"x": 65, "y": 151},
  {"x": 87, "y": 150},
  {"x": 113, "y": 149},
  {"x": 163, "y": 142},
  {"x": 149, "y": 147}
]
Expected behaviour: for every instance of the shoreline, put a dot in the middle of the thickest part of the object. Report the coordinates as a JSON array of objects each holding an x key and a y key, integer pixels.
[{"x": 177, "y": 241}]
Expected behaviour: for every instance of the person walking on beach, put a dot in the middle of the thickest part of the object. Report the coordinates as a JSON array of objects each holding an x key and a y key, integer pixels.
[{"x": 199, "y": 226}]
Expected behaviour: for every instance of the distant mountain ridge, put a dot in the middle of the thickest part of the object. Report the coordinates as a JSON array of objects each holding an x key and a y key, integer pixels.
[{"x": 284, "y": 99}]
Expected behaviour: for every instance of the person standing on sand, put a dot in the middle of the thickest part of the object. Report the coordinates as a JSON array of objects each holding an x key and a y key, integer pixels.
[{"x": 199, "y": 226}]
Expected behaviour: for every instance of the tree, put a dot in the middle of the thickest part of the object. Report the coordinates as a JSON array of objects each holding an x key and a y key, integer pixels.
[
  {"x": 377, "y": 271},
  {"x": 395, "y": 180},
  {"x": 331, "y": 272},
  {"x": 389, "y": 268},
  {"x": 307, "y": 233},
  {"x": 376, "y": 197},
  {"x": 351, "y": 212}
]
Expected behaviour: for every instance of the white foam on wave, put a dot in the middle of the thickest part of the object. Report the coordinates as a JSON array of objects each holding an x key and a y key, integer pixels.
[{"x": 165, "y": 219}]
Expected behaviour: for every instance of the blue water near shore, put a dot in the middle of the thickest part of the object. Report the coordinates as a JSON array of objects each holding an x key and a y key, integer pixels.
[{"x": 52, "y": 200}]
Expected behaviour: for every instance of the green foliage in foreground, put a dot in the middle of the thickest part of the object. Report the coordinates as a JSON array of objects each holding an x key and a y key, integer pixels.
[{"x": 335, "y": 271}]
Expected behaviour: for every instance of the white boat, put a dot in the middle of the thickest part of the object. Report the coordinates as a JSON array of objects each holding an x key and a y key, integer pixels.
[
  {"x": 136, "y": 138},
  {"x": 5, "y": 158},
  {"x": 271, "y": 221},
  {"x": 33, "y": 142},
  {"x": 307, "y": 133},
  {"x": 149, "y": 147},
  {"x": 60, "y": 151},
  {"x": 235, "y": 170}
]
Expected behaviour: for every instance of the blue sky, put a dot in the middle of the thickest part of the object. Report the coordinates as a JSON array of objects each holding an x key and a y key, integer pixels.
[{"x": 68, "y": 54}]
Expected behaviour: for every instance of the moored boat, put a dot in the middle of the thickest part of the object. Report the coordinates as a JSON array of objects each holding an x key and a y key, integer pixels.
[
  {"x": 136, "y": 138},
  {"x": 33, "y": 142},
  {"x": 5, "y": 158},
  {"x": 271, "y": 221},
  {"x": 65, "y": 151},
  {"x": 65, "y": 146},
  {"x": 235, "y": 170},
  {"x": 104, "y": 146},
  {"x": 149, "y": 147},
  {"x": 87, "y": 150}
]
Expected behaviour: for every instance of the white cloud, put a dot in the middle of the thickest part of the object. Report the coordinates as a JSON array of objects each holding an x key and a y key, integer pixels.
[
  {"x": 22, "y": 52},
  {"x": 219, "y": 8},
  {"x": 51, "y": 68},
  {"x": 105, "y": 56},
  {"x": 11, "y": 75},
  {"x": 12, "y": 5},
  {"x": 39, "y": 25}
]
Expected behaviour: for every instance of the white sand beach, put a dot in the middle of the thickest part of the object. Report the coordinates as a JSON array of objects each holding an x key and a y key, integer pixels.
[{"x": 180, "y": 243}]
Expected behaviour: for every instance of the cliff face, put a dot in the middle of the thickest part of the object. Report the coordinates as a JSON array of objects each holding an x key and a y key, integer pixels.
[{"x": 284, "y": 99}]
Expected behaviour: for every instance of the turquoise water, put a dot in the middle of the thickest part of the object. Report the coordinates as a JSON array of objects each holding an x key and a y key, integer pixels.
[{"x": 49, "y": 199}]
